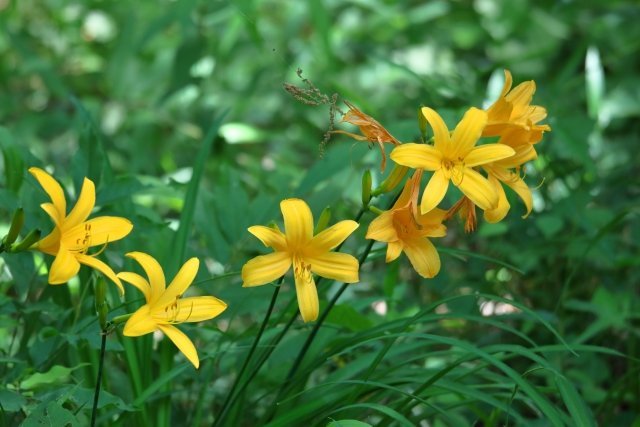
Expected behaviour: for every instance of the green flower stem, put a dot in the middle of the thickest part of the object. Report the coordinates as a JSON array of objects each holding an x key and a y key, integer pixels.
[
  {"x": 225, "y": 405},
  {"x": 316, "y": 327},
  {"x": 96, "y": 394},
  {"x": 270, "y": 348}
]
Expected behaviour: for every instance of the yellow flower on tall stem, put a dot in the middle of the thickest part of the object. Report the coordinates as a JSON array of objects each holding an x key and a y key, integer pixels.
[
  {"x": 406, "y": 231},
  {"x": 165, "y": 306},
  {"x": 512, "y": 113},
  {"x": 308, "y": 254},
  {"x": 453, "y": 158},
  {"x": 74, "y": 234}
]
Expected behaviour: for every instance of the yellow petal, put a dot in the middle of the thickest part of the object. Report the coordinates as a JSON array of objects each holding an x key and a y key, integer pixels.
[
  {"x": 52, "y": 188},
  {"x": 467, "y": 132},
  {"x": 423, "y": 257},
  {"x": 154, "y": 273},
  {"x": 382, "y": 229},
  {"x": 137, "y": 281},
  {"x": 269, "y": 237},
  {"x": 417, "y": 156},
  {"x": 53, "y": 213},
  {"x": 520, "y": 97},
  {"x": 193, "y": 309},
  {"x": 265, "y": 268},
  {"x": 394, "y": 249},
  {"x": 523, "y": 191},
  {"x": 180, "y": 283},
  {"x": 140, "y": 323},
  {"x": 440, "y": 130},
  {"x": 500, "y": 211},
  {"x": 508, "y": 81},
  {"x": 298, "y": 222},
  {"x": 84, "y": 205},
  {"x": 336, "y": 266},
  {"x": 306, "y": 293},
  {"x": 50, "y": 244},
  {"x": 96, "y": 231},
  {"x": 183, "y": 343},
  {"x": 434, "y": 192},
  {"x": 478, "y": 189},
  {"x": 103, "y": 268},
  {"x": 64, "y": 267},
  {"x": 487, "y": 153},
  {"x": 332, "y": 236}
]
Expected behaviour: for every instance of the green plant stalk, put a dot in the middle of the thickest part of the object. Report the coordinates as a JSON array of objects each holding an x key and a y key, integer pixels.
[
  {"x": 96, "y": 394},
  {"x": 272, "y": 304}
]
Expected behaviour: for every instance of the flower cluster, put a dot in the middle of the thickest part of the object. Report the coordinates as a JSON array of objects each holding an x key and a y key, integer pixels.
[
  {"x": 479, "y": 171},
  {"x": 74, "y": 234}
]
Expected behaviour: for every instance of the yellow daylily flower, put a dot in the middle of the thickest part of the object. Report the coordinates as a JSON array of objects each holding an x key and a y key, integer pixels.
[
  {"x": 403, "y": 230},
  {"x": 307, "y": 253},
  {"x": 165, "y": 306},
  {"x": 507, "y": 171},
  {"x": 512, "y": 114},
  {"x": 73, "y": 234},
  {"x": 372, "y": 131},
  {"x": 453, "y": 157}
]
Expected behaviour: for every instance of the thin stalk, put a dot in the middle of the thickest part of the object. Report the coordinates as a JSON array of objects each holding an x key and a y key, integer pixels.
[
  {"x": 96, "y": 394},
  {"x": 251, "y": 351},
  {"x": 270, "y": 348}
]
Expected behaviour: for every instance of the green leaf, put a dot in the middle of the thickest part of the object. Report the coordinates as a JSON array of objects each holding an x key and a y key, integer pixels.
[
  {"x": 51, "y": 414},
  {"x": 580, "y": 412},
  {"x": 345, "y": 315},
  {"x": 56, "y": 375}
]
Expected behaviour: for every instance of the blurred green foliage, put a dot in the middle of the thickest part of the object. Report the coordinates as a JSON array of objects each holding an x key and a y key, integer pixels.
[{"x": 126, "y": 94}]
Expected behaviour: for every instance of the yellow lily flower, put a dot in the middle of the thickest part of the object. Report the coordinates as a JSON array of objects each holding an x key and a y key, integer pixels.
[
  {"x": 307, "y": 253},
  {"x": 73, "y": 234},
  {"x": 405, "y": 231},
  {"x": 453, "y": 157},
  {"x": 507, "y": 171},
  {"x": 512, "y": 114},
  {"x": 165, "y": 307},
  {"x": 372, "y": 131}
]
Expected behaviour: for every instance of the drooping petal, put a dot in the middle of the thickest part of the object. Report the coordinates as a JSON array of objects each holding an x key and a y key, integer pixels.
[
  {"x": 423, "y": 257},
  {"x": 440, "y": 131},
  {"x": 137, "y": 281},
  {"x": 140, "y": 323},
  {"x": 477, "y": 188},
  {"x": 382, "y": 229},
  {"x": 96, "y": 231},
  {"x": 53, "y": 213},
  {"x": 180, "y": 283},
  {"x": 488, "y": 153},
  {"x": 394, "y": 249},
  {"x": 192, "y": 309},
  {"x": 306, "y": 292},
  {"x": 269, "y": 237},
  {"x": 417, "y": 156},
  {"x": 508, "y": 81},
  {"x": 434, "y": 192},
  {"x": 183, "y": 343},
  {"x": 298, "y": 222},
  {"x": 84, "y": 205},
  {"x": 265, "y": 269},
  {"x": 467, "y": 132},
  {"x": 154, "y": 273},
  {"x": 500, "y": 211},
  {"x": 103, "y": 268},
  {"x": 336, "y": 266},
  {"x": 331, "y": 237},
  {"x": 518, "y": 185},
  {"x": 52, "y": 188},
  {"x": 63, "y": 268}
]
